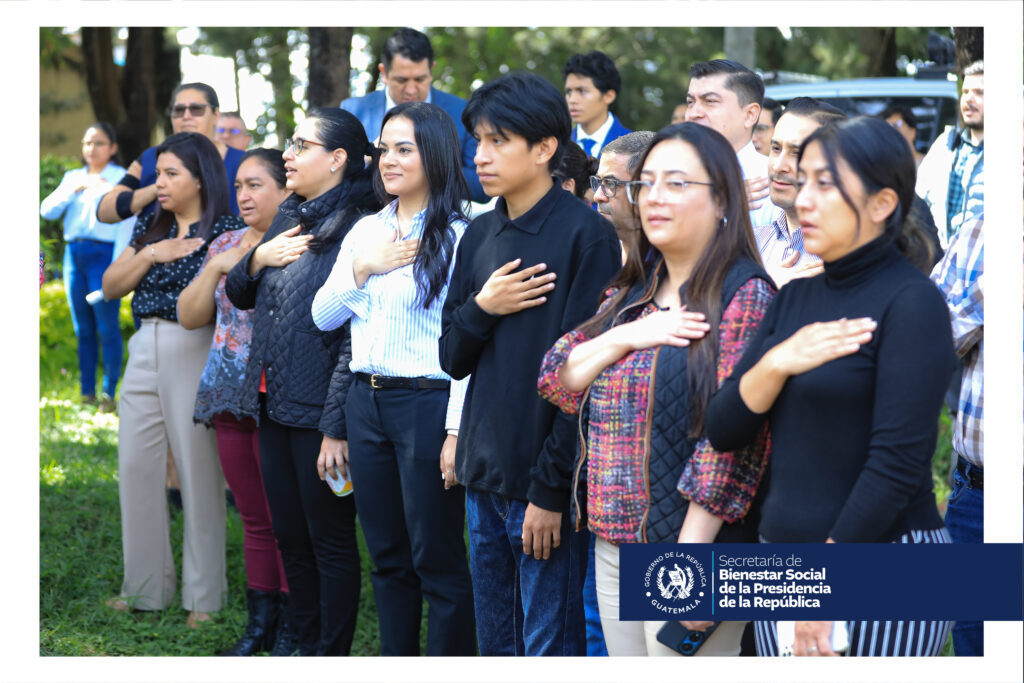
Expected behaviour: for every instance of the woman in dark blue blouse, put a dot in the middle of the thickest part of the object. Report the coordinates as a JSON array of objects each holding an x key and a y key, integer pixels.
[{"x": 159, "y": 388}]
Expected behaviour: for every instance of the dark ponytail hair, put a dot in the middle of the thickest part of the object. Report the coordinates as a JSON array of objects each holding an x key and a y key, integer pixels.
[
  {"x": 438, "y": 142},
  {"x": 732, "y": 239},
  {"x": 272, "y": 160},
  {"x": 111, "y": 134},
  {"x": 340, "y": 129},
  {"x": 200, "y": 157},
  {"x": 872, "y": 149},
  {"x": 578, "y": 167}
]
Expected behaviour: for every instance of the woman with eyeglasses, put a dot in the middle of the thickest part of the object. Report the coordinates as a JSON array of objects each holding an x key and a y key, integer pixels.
[
  {"x": 260, "y": 187},
  {"x": 297, "y": 377},
  {"x": 403, "y": 411},
  {"x": 88, "y": 250},
  {"x": 849, "y": 368},
  {"x": 673, "y": 323},
  {"x": 165, "y": 362},
  {"x": 194, "y": 108}
]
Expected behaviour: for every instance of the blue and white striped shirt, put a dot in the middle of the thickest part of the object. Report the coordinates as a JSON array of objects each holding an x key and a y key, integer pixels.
[{"x": 392, "y": 334}]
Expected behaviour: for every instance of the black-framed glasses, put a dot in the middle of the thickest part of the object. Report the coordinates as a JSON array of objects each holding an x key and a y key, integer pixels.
[
  {"x": 300, "y": 144},
  {"x": 233, "y": 131},
  {"x": 195, "y": 109},
  {"x": 609, "y": 185},
  {"x": 673, "y": 189}
]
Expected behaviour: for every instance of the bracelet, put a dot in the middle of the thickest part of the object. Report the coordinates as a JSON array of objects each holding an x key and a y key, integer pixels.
[{"x": 152, "y": 251}]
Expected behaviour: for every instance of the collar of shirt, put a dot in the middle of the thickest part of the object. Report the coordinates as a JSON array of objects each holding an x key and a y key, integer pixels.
[
  {"x": 599, "y": 135},
  {"x": 965, "y": 138},
  {"x": 533, "y": 220},
  {"x": 781, "y": 226},
  {"x": 389, "y": 217},
  {"x": 391, "y": 104}
]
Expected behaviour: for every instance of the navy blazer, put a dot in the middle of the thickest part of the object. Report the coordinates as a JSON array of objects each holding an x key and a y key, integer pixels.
[
  {"x": 371, "y": 108},
  {"x": 616, "y": 131}
]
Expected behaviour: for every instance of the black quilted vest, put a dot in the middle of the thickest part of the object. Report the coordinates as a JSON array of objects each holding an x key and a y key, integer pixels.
[{"x": 670, "y": 445}]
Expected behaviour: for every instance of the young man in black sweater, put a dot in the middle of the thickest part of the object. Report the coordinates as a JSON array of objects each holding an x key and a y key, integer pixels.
[{"x": 525, "y": 273}]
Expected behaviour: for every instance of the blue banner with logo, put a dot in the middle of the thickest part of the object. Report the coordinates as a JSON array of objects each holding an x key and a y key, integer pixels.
[{"x": 827, "y": 582}]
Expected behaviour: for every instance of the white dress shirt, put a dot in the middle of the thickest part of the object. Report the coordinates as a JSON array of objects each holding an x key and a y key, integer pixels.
[
  {"x": 392, "y": 334},
  {"x": 755, "y": 165},
  {"x": 598, "y": 135}
]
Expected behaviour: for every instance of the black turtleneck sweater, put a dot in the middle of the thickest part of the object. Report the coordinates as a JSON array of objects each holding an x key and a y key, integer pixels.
[{"x": 852, "y": 440}]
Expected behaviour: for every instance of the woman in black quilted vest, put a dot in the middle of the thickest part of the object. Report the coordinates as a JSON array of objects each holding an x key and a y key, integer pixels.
[
  {"x": 691, "y": 294},
  {"x": 297, "y": 377}
]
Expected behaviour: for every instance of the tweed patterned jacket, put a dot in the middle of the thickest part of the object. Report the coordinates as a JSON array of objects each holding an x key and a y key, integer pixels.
[{"x": 625, "y": 445}]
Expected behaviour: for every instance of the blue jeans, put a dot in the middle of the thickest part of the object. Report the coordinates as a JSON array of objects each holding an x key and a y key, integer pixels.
[
  {"x": 965, "y": 521},
  {"x": 595, "y": 634},
  {"x": 84, "y": 263},
  {"x": 523, "y": 605}
]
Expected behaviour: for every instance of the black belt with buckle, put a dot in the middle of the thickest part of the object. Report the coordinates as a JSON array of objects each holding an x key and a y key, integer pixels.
[
  {"x": 385, "y": 382},
  {"x": 976, "y": 477}
]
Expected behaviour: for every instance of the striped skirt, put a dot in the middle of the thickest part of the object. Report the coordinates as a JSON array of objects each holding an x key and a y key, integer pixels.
[{"x": 879, "y": 638}]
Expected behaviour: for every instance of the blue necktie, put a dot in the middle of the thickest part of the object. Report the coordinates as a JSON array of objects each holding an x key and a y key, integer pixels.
[{"x": 587, "y": 144}]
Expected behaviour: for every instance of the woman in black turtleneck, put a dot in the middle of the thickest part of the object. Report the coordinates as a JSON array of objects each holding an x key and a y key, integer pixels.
[{"x": 850, "y": 368}]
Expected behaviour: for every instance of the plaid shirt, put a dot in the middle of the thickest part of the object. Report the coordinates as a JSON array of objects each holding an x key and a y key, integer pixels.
[
  {"x": 776, "y": 244},
  {"x": 960, "y": 276},
  {"x": 966, "y": 196}
]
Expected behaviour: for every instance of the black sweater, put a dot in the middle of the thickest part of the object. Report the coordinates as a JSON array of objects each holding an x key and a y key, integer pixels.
[
  {"x": 852, "y": 440},
  {"x": 512, "y": 441}
]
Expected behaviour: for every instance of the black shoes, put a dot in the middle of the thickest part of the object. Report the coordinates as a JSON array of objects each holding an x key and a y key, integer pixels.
[
  {"x": 260, "y": 633},
  {"x": 287, "y": 642}
]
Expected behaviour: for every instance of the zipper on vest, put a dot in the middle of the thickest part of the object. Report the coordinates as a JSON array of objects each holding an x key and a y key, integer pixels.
[
  {"x": 583, "y": 456},
  {"x": 647, "y": 446}
]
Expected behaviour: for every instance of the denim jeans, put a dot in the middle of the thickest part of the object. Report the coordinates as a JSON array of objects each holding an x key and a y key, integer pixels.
[
  {"x": 595, "y": 635},
  {"x": 84, "y": 263},
  {"x": 523, "y": 605},
  {"x": 965, "y": 521}
]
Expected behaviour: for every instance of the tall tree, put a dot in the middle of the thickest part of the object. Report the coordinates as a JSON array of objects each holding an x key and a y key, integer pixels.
[
  {"x": 329, "y": 50},
  {"x": 970, "y": 46},
  {"x": 130, "y": 97}
]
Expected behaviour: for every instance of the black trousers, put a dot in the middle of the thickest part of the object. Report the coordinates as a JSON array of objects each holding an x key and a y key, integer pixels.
[
  {"x": 413, "y": 527},
  {"x": 316, "y": 532}
]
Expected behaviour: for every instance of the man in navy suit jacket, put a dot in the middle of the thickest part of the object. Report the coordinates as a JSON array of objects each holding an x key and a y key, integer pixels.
[
  {"x": 406, "y": 65},
  {"x": 591, "y": 85}
]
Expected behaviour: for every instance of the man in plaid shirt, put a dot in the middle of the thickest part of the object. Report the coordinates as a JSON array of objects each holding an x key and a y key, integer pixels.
[
  {"x": 961, "y": 277},
  {"x": 951, "y": 176}
]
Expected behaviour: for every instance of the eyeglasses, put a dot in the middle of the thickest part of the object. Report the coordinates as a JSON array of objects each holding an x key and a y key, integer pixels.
[
  {"x": 898, "y": 123},
  {"x": 300, "y": 145},
  {"x": 609, "y": 185},
  {"x": 638, "y": 190},
  {"x": 233, "y": 131},
  {"x": 178, "y": 110}
]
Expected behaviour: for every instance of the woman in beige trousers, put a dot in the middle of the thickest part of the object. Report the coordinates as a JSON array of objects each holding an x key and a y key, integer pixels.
[{"x": 158, "y": 393}]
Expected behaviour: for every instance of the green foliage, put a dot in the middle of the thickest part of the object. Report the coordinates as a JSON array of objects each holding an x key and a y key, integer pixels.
[
  {"x": 58, "y": 354},
  {"x": 51, "y": 170}
]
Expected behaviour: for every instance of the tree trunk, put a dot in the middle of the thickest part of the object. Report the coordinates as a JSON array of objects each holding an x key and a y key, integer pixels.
[
  {"x": 138, "y": 92},
  {"x": 101, "y": 76},
  {"x": 739, "y": 45},
  {"x": 329, "y": 50},
  {"x": 970, "y": 47},
  {"x": 879, "y": 44}
]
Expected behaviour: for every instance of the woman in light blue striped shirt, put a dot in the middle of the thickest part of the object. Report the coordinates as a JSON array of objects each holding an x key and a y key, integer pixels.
[{"x": 403, "y": 411}]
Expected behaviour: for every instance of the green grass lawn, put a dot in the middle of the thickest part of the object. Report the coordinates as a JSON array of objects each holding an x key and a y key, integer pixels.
[{"x": 80, "y": 532}]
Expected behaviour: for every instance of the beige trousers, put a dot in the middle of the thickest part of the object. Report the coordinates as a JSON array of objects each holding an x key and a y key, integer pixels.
[
  {"x": 158, "y": 396},
  {"x": 639, "y": 638}
]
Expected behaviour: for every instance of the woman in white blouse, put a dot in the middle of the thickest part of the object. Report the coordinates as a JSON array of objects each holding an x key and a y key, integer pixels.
[{"x": 403, "y": 411}]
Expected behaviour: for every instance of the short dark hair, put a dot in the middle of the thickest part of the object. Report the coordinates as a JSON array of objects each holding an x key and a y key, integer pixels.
[
  {"x": 632, "y": 144},
  {"x": 774, "y": 106},
  {"x": 209, "y": 93},
  {"x": 437, "y": 140},
  {"x": 598, "y": 67},
  {"x": 821, "y": 112},
  {"x": 905, "y": 113},
  {"x": 525, "y": 104},
  {"x": 234, "y": 115},
  {"x": 747, "y": 85},
  {"x": 411, "y": 44}
]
